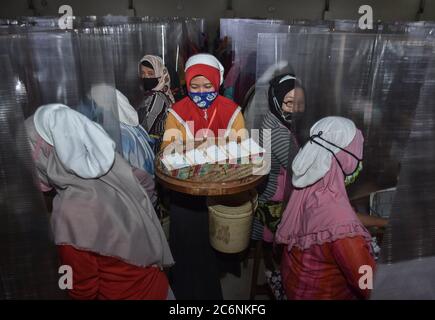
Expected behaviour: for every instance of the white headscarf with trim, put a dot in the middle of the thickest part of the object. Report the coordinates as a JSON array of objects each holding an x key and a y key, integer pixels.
[{"x": 207, "y": 59}]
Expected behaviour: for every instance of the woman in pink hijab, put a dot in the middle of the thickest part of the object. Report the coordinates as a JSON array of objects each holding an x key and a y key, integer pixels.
[{"x": 327, "y": 245}]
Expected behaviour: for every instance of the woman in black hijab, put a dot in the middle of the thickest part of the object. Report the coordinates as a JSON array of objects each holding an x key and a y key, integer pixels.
[{"x": 286, "y": 99}]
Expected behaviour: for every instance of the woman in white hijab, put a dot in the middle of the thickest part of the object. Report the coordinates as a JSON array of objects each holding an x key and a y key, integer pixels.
[
  {"x": 135, "y": 140},
  {"x": 104, "y": 224}
]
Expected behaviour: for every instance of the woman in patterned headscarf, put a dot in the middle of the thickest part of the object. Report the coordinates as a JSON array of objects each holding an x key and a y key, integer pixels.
[{"x": 158, "y": 100}]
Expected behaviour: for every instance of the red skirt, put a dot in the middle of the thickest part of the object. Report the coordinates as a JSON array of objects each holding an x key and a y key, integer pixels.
[
  {"x": 107, "y": 278},
  {"x": 327, "y": 271}
]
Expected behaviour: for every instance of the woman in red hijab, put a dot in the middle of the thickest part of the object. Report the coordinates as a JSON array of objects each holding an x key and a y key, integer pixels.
[
  {"x": 203, "y": 108},
  {"x": 195, "y": 274}
]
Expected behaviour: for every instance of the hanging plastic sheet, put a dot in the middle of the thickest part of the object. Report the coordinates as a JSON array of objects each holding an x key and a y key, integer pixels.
[
  {"x": 62, "y": 67},
  {"x": 241, "y": 75},
  {"x": 225, "y": 27},
  {"x": 96, "y": 70},
  {"x": 8, "y": 26},
  {"x": 110, "y": 20},
  {"x": 310, "y": 26},
  {"x": 229, "y": 27},
  {"x": 85, "y": 22},
  {"x": 351, "y": 26},
  {"x": 366, "y": 77},
  {"x": 384, "y": 81},
  {"x": 28, "y": 264},
  {"x": 224, "y": 46},
  {"x": 270, "y": 62},
  {"x": 226, "y": 32},
  {"x": 55, "y": 67},
  {"x": 40, "y": 23},
  {"x": 407, "y": 259},
  {"x": 241, "y": 35},
  {"x": 130, "y": 43},
  {"x": 180, "y": 32},
  {"x": 333, "y": 68},
  {"x": 174, "y": 39},
  {"x": 10, "y": 43},
  {"x": 196, "y": 34},
  {"x": 178, "y": 49},
  {"x": 399, "y": 68},
  {"x": 419, "y": 28},
  {"x": 32, "y": 24},
  {"x": 133, "y": 37}
]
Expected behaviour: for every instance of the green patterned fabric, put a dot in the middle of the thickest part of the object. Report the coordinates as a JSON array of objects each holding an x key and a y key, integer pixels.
[{"x": 269, "y": 213}]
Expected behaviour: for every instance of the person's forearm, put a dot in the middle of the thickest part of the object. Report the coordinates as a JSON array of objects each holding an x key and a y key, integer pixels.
[{"x": 370, "y": 221}]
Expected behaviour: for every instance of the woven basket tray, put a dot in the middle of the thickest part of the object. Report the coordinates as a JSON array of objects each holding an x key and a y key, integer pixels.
[{"x": 210, "y": 172}]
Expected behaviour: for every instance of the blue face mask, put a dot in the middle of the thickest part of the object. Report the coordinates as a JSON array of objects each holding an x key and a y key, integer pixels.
[{"x": 203, "y": 99}]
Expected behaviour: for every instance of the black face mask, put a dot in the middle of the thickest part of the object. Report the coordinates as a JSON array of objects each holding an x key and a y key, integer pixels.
[{"x": 150, "y": 83}]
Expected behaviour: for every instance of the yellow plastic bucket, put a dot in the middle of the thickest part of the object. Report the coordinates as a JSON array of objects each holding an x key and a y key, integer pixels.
[{"x": 230, "y": 221}]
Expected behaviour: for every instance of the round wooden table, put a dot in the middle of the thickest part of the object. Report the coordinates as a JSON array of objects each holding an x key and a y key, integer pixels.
[{"x": 209, "y": 188}]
